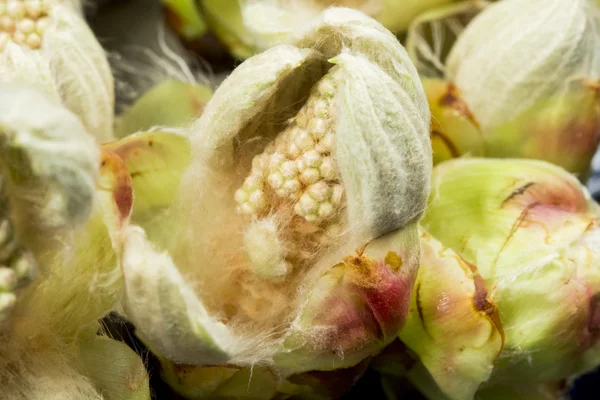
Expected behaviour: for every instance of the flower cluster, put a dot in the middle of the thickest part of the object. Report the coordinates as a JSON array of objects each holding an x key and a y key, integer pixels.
[{"x": 328, "y": 207}]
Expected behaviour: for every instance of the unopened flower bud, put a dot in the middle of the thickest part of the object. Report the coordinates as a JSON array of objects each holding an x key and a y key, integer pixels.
[
  {"x": 542, "y": 106},
  {"x": 297, "y": 216},
  {"x": 511, "y": 257}
]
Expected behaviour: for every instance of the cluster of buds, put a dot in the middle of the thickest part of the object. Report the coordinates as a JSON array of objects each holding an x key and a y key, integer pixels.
[
  {"x": 279, "y": 186},
  {"x": 62, "y": 207},
  {"x": 299, "y": 164},
  {"x": 278, "y": 239},
  {"x": 497, "y": 103}
]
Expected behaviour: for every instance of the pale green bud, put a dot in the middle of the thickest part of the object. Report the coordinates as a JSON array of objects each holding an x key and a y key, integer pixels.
[
  {"x": 506, "y": 298},
  {"x": 531, "y": 231}
]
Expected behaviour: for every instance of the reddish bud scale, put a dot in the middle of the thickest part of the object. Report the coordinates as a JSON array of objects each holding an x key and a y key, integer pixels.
[
  {"x": 390, "y": 300},
  {"x": 370, "y": 304},
  {"x": 122, "y": 186}
]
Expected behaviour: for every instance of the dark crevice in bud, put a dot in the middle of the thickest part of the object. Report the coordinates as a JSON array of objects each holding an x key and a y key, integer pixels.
[
  {"x": 332, "y": 384},
  {"x": 436, "y": 133},
  {"x": 208, "y": 46},
  {"x": 400, "y": 353},
  {"x": 289, "y": 98},
  {"x": 481, "y": 303},
  {"x": 563, "y": 195},
  {"x": 480, "y": 300},
  {"x": 420, "y": 308},
  {"x": 451, "y": 99},
  {"x": 517, "y": 192},
  {"x": 513, "y": 230}
]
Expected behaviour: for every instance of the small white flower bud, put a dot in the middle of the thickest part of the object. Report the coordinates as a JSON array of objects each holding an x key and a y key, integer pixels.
[{"x": 49, "y": 45}]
